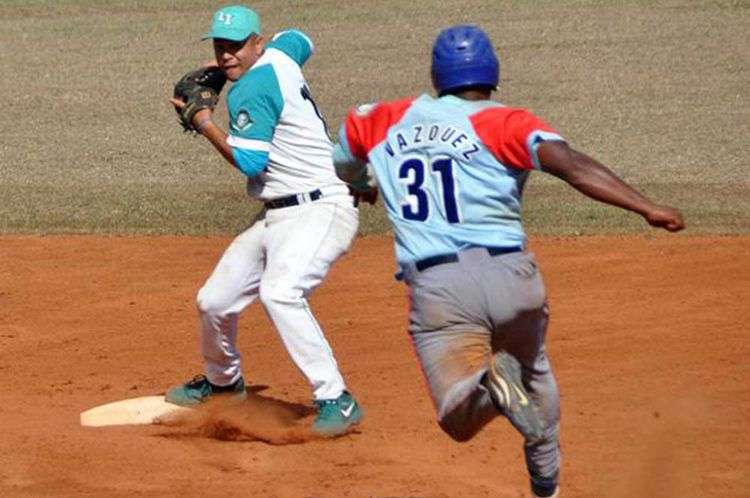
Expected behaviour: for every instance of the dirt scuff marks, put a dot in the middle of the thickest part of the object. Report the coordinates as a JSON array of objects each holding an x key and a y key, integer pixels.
[{"x": 258, "y": 418}]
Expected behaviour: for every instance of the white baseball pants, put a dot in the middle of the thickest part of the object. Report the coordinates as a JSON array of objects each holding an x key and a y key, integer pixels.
[{"x": 281, "y": 258}]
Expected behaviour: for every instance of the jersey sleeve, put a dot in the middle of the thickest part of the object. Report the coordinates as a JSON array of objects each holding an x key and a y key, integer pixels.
[
  {"x": 367, "y": 125},
  {"x": 348, "y": 168},
  {"x": 513, "y": 135},
  {"x": 295, "y": 44},
  {"x": 254, "y": 104}
]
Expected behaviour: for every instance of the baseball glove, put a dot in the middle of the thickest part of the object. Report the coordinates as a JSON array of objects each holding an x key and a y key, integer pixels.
[{"x": 199, "y": 90}]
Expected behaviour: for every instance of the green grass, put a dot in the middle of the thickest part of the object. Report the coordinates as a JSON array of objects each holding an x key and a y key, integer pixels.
[{"x": 656, "y": 89}]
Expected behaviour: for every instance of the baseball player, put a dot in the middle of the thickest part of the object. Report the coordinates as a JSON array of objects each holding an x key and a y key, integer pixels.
[
  {"x": 278, "y": 139},
  {"x": 451, "y": 170}
]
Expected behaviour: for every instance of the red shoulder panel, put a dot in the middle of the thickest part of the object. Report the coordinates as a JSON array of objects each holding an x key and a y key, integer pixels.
[
  {"x": 505, "y": 131},
  {"x": 367, "y": 126}
]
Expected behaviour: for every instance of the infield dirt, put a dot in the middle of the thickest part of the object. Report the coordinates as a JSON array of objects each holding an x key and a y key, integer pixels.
[{"x": 648, "y": 340}]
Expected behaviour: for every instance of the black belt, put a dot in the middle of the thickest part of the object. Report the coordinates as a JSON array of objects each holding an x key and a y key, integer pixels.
[
  {"x": 440, "y": 259},
  {"x": 292, "y": 200}
]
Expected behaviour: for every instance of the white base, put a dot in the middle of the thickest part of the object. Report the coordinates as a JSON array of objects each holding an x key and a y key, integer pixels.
[{"x": 136, "y": 411}]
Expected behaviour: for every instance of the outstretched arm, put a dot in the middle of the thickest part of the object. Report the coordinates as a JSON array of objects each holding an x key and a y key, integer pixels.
[{"x": 595, "y": 180}]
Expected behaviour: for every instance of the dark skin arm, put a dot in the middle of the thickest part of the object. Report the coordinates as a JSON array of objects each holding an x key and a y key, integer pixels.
[
  {"x": 214, "y": 134},
  {"x": 595, "y": 180},
  {"x": 368, "y": 196}
]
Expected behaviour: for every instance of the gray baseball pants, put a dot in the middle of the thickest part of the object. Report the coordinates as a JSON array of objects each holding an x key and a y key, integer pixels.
[{"x": 462, "y": 313}]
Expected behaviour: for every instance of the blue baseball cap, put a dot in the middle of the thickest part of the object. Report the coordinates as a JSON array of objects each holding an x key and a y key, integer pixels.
[{"x": 235, "y": 22}]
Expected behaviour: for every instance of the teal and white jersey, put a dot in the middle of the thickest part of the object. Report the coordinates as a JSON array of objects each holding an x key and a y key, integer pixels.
[{"x": 272, "y": 114}]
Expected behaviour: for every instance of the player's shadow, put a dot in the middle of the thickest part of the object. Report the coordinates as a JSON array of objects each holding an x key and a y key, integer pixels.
[{"x": 258, "y": 418}]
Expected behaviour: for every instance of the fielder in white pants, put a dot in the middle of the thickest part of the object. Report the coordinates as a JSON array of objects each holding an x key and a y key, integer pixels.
[
  {"x": 281, "y": 258},
  {"x": 278, "y": 139}
]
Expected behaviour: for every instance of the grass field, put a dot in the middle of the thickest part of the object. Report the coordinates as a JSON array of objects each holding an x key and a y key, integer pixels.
[{"x": 658, "y": 90}]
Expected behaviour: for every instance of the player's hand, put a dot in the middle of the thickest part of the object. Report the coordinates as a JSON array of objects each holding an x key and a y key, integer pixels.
[
  {"x": 177, "y": 103},
  {"x": 197, "y": 91},
  {"x": 665, "y": 217},
  {"x": 198, "y": 117},
  {"x": 369, "y": 196}
]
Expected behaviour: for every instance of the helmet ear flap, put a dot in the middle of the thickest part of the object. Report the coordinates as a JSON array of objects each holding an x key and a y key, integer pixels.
[{"x": 463, "y": 56}]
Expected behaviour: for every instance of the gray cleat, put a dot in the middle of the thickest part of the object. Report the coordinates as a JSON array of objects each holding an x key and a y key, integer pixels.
[{"x": 503, "y": 380}]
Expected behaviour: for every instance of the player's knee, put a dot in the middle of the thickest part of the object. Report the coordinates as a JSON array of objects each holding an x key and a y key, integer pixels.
[
  {"x": 278, "y": 295},
  {"x": 211, "y": 302}
]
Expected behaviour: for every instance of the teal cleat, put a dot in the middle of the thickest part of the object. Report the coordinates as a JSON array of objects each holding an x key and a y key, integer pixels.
[
  {"x": 199, "y": 389},
  {"x": 336, "y": 416}
]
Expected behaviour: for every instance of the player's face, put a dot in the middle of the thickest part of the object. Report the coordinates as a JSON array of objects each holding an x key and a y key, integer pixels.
[{"x": 236, "y": 57}]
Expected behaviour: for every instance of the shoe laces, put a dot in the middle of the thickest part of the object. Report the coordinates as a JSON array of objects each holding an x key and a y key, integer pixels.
[
  {"x": 327, "y": 405},
  {"x": 335, "y": 402}
]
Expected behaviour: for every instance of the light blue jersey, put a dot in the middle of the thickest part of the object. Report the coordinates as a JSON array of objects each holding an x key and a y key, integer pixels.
[{"x": 450, "y": 171}]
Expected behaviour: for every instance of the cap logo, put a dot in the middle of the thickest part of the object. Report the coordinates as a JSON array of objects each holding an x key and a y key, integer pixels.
[{"x": 225, "y": 18}]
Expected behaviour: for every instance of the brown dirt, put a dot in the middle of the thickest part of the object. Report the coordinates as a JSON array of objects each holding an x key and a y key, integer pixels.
[{"x": 648, "y": 337}]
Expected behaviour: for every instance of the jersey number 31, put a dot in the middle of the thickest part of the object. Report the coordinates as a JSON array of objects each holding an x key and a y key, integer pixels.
[{"x": 417, "y": 206}]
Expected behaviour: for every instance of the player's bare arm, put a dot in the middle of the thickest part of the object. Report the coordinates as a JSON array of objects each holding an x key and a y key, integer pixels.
[
  {"x": 203, "y": 124},
  {"x": 233, "y": 58},
  {"x": 590, "y": 177},
  {"x": 357, "y": 175},
  {"x": 214, "y": 134}
]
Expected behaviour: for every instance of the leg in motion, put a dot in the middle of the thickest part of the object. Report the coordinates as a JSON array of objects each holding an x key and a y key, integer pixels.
[
  {"x": 302, "y": 243},
  {"x": 232, "y": 286}
]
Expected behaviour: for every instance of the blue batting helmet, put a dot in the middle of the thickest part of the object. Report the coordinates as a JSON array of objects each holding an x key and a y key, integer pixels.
[{"x": 463, "y": 56}]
